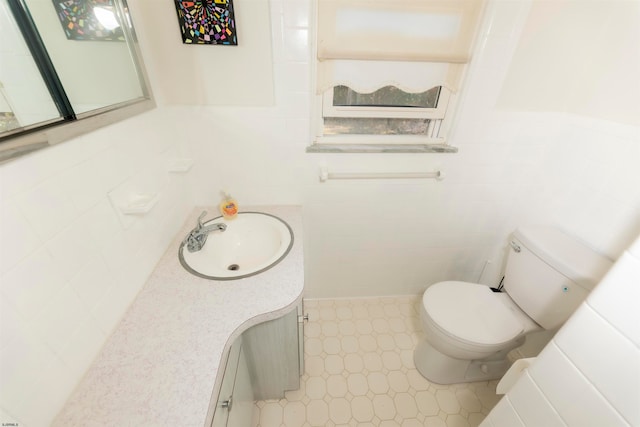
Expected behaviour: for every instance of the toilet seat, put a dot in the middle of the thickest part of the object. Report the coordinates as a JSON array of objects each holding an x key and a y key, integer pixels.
[{"x": 471, "y": 314}]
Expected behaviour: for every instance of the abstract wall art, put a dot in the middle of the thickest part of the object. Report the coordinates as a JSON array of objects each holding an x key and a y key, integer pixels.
[
  {"x": 207, "y": 21},
  {"x": 94, "y": 20}
]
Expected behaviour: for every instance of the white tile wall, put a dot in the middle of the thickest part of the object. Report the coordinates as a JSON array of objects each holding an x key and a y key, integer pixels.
[
  {"x": 257, "y": 153},
  {"x": 388, "y": 238},
  {"x": 238, "y": 76},
  {"x": 532, "y": 407},
  {"x": 69, "y": 268},
  {"x": 589, "y": 374},
  {"x": 512, "y": 169}
]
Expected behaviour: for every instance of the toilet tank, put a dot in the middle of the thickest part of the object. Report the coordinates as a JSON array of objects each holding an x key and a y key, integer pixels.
[{"x": 549, "y": 273}]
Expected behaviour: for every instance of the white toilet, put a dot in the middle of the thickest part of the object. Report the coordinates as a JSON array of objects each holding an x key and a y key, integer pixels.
[{"x": 470, "y": 329}]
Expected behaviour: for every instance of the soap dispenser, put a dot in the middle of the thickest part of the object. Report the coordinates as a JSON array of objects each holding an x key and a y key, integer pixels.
[{"x": 228, "y": 206}]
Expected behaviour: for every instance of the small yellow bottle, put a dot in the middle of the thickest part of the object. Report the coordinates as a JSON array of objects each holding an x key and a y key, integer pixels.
[{"x": 228, "y": 207}]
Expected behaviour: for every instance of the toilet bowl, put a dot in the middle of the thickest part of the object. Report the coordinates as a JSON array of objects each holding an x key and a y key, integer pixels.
[
  {"x": 469, "y": 328},
  {"x": 469, "y": 321}
]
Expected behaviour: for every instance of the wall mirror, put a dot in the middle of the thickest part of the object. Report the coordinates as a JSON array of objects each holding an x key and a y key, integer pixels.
[{"x": 66, "y": 67}]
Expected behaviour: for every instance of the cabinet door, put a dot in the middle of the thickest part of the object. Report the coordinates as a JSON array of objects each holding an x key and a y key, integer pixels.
[
  {"x": 226, "y": 390},
  {"x": 241, "y": 412},
  {"x": 272, "y": 355}
]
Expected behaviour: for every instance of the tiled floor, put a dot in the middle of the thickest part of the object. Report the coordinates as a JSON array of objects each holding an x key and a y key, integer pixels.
[{"x": 360, "y": 372}]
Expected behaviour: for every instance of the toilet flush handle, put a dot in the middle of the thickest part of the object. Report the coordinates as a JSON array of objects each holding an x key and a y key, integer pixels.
[{"x": 515, "y": 246}]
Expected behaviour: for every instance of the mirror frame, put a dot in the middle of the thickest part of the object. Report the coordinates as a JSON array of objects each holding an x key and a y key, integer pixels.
[{"x": 44, "y": 135}]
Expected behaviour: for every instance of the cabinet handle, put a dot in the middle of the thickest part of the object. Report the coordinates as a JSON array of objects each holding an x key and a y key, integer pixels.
[
  {"x": 227, "y": 403},
  {"x": 303, "y": 318}
]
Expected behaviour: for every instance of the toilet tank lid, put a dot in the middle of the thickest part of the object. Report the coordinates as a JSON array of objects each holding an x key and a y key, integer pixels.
[{"x": 566, "y": 254}]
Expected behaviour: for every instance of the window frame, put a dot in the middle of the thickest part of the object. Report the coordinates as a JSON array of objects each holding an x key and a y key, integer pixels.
[
  {"x": 433, "y": 141},
  {"x": 335, "y": 45}
]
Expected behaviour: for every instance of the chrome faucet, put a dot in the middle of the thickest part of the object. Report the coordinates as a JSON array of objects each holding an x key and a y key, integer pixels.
[{"x": 198, "y": 236}]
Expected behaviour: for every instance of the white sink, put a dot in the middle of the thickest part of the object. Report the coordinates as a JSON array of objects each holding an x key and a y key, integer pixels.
[{"x": 252, "y": 243}]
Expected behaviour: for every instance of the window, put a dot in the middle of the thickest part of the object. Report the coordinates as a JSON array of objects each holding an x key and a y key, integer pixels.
[
  {"x": 386, "y": 111},
  {"x": 389, "y": 72}
]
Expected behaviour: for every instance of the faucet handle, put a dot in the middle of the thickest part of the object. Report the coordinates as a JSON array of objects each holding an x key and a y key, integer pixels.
[{"x": 202, "y": 215}]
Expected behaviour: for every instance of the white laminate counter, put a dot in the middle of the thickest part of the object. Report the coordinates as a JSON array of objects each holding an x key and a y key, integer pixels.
[{"x": 160, "y": 366}]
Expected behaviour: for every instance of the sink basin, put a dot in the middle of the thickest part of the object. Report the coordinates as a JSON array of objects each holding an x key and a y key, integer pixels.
[{"x": 253, "y": 242}]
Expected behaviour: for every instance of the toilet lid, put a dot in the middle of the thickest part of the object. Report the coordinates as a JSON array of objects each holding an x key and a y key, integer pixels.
[{"x": 471, "y": 312}]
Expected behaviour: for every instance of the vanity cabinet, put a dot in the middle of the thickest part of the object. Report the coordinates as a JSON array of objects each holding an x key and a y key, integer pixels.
[{"x": 263, "y": 363}]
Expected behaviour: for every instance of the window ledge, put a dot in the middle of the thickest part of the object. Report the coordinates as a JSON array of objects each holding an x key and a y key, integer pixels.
[{"x": 381, "y": 148}]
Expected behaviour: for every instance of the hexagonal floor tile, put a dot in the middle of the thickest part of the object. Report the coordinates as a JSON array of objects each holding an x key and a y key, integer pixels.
[{"x": 360, "y": 372}]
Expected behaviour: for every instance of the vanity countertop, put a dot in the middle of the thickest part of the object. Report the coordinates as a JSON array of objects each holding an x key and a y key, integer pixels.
[{"x": 160, "y": 365}]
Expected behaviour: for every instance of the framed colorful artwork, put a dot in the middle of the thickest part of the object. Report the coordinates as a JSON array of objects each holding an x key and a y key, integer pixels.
[
  {"x": 207, "y": 21},
  {"x": 94, "y": 20}
]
